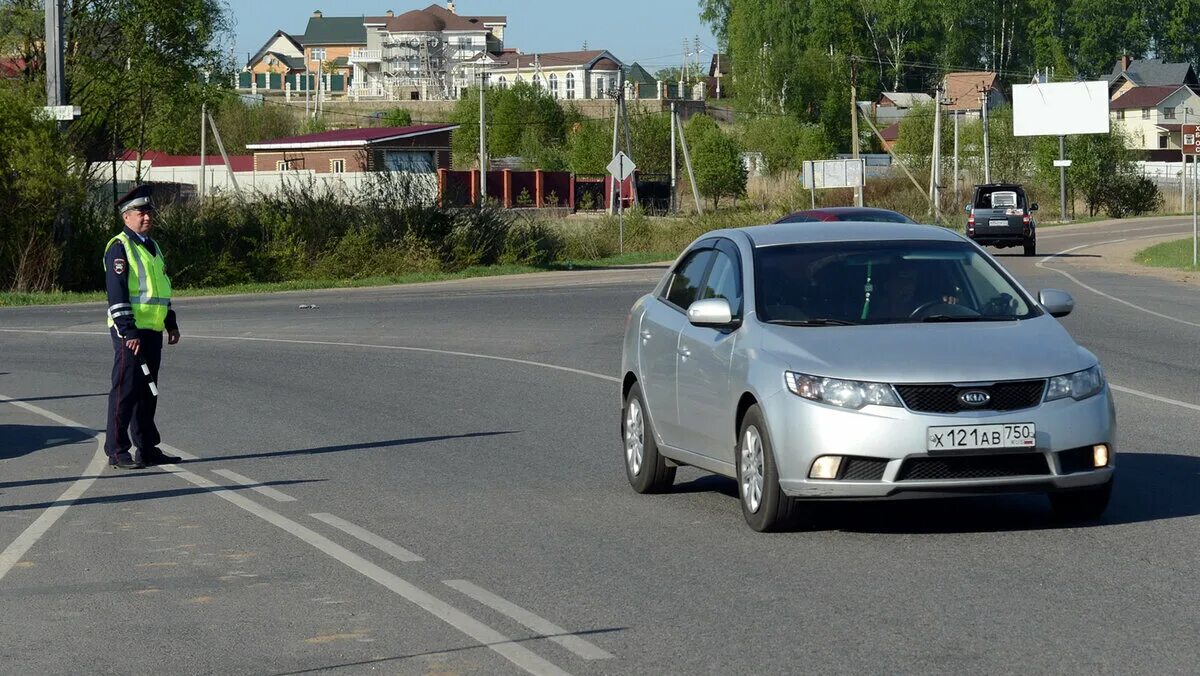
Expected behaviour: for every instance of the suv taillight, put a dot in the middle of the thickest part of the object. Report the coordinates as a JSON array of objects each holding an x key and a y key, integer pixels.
[{"x": 970, "y": 224}]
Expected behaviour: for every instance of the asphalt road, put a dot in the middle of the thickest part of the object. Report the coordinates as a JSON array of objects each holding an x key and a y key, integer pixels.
[{"x": 428, "y": 479}]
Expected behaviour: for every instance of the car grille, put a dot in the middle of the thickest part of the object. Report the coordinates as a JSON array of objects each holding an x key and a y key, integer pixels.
[
  {"x": 863, "y": 469},
  {"x": 974, "y": 467},
  {"x": 1006, "y": 396}
]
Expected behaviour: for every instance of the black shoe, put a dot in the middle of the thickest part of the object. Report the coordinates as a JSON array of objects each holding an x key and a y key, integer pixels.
[
  {"x": 155, "y": 456},
  {"x": 125, "y": 461}
]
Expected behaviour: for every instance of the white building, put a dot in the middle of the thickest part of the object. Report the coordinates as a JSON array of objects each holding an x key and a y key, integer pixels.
[{"x": 591, "y": 74}]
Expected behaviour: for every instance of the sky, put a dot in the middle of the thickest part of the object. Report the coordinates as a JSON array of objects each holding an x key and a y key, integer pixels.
[{"x": 650, "y": 32}]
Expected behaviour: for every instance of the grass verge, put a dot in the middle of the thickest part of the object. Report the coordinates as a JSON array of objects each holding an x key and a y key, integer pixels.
[{"x": 1176, "y": 254}]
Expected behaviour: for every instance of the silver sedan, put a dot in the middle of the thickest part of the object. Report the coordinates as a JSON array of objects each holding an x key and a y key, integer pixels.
[{"x": 862, "y": 361}]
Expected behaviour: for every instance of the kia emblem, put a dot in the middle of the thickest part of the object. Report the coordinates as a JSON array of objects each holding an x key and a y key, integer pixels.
[{"x": 974, "y": 397}]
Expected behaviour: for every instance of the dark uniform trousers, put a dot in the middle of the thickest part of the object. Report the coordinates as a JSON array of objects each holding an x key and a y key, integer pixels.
[{"x": 131, "y": 405}]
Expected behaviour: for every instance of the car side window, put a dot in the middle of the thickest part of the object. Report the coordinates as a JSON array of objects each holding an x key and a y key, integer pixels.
[
  {"x": 724, "y": 281},
  {"x": 685, "y": 283}
]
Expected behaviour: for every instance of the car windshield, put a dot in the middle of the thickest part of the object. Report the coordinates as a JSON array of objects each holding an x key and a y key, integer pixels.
[
  {"x": 875, "y": 217},
  {"x": 841, "y": 283}
]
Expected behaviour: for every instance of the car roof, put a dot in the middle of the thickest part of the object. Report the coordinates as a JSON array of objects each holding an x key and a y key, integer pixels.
[{"x": 841, "y": 231}]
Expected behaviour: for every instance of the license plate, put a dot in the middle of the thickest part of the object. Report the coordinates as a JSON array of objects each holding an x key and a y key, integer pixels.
[
  {"x": 998, "y": 222},
  {"x": 975, "y": 437}
]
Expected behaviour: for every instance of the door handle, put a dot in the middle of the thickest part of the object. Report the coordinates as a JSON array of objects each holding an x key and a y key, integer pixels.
[
  {"x": 684, "y": 352},
  {"x": 646, "y": 335}
]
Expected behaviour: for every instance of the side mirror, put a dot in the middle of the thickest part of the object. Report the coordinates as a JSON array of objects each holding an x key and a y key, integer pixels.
[
  {"x": 1033, "y": 207},
  {"x": 967, "y": 208},
  {"x": 713, "y": 313},
  {"x": 1057, "y": 303}
]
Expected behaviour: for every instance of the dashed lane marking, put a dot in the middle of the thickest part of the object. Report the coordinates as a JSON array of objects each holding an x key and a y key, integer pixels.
[{"x": 382, "y": 544}]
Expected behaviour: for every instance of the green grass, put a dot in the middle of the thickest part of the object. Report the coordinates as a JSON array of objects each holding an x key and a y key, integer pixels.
[
  {"x": 60, "y": 298},
  {"x": 1176, "y": 254}
]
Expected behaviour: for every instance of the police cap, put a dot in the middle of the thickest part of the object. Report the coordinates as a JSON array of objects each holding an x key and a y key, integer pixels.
[{"x": 138, "y": 198}]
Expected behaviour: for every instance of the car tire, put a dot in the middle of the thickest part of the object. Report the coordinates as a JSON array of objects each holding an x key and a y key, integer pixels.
[
  {"x": 645, "y": 468},
  {"x": 764, "y": 505},
  {"x": 1083, "y": 504},
  {"x": 1031, "y": 247}
]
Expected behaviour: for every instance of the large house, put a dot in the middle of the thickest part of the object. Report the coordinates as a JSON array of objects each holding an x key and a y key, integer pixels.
[
  {"x": 328, "y": 42},
  {"x": 894, "y": 106},
  {"x": 282, "y": 54},
  {"x": 418, "y": 54},
  {"x": 1130, "y": 73},
  {"x": 1152, "y": 117},
  {"x": 591, "y": 74}
]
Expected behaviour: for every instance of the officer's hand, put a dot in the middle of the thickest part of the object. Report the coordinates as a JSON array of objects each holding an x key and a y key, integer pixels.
[
  {"x": 134, "y": 344},
  {"x": 172, "y": 337}
]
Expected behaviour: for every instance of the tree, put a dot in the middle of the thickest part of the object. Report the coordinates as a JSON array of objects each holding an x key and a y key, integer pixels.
[
  {"x": 717, "y": 162},
  {"x": 589, "y": 147},
  {"x": 785, "y": 142},
  {"x": 716, "y": 13},
  {"x": 519, "y": 118},
  {"x": 1182, "y": 27},
  {"x": 651, "y": 138},
  {"x": 397, "y": 117}
]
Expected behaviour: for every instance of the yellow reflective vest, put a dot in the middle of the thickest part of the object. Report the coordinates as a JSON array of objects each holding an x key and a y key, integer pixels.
[{"x": 149, "y": 286}]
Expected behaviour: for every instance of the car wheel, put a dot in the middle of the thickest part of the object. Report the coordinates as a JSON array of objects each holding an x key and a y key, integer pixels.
[
  {"x": 1084, "y": 504},
  {"x": 1031, "y": 247},
  {"x": 764, "y": 504},
  {"x": 646, "y": 470}
]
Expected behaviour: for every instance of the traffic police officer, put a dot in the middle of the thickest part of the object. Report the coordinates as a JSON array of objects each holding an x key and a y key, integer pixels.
[{"x": 139, "y": 309}]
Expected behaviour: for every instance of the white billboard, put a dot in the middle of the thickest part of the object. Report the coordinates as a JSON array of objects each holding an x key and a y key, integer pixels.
[
  {"x": 1060, "y": 108},
  {"x": 821, "y": 174}
]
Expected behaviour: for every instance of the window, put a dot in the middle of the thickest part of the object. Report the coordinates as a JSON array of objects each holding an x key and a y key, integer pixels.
[
  {"x": 337, "y": 166},
  {"x": 1120, "y": 114},
  {"x": 416, "y": 162},
  {"x": 1162, "y": 141},
  {"x": 570, "y": 85},
  {"x": 685, "y": 283},
  {"x": 723, "y": 282},
  {"x": 599, "y": 87},
  {"x": 318, "y": 54},
  {"x": 1145, "y": 113},
  {"x": 282, "y": 165},
  {"x": 502, "y": 82},
  {"x": 537, "y": 81},
  {"x": 1168, "y": 113},
  {"x": 553, "y": 85}
]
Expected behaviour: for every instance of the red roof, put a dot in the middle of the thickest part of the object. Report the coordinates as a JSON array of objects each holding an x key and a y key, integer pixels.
[
  {"x": 351, "y": 137},
  {"x": 160, "y": 159},
  {"x": 506, "y": 60},
  {"x": 891, "y": 132},
  {"x": 1143, "y": 97}
]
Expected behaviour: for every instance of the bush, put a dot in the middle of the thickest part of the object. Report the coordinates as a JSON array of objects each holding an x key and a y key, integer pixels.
[{"x": 1130, "y": 195}]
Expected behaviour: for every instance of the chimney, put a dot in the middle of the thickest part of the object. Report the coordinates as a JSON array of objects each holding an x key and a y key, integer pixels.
[
  {"x": 1125, "y": 60},
  {"x": 450, "y": 6},
  {"x": 389, "y": 14},
  {"x": 317, "y": 14}
]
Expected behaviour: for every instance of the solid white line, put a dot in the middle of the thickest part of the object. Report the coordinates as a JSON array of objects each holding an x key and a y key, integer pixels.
[
  {"x": 485, "y": 635},
  {"x": 1079, "y": 232},
  {"x": 1155, "y": 397},
  {"x": 382, "y": 544},
  {"x": 585, "y": 649},
  {"x": 428, "y": 350},
  {"x": 1042, "y": 264},
  {"x": 256, "y": 486},
  {"x": 19, "y": 547}
]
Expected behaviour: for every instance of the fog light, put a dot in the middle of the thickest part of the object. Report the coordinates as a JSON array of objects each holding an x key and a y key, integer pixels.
[
  {"x": 826, "y": 467},
  {"x": 1100, "y": 455}
]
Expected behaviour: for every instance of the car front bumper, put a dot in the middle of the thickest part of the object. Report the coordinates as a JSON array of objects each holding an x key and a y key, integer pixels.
[{"x": 890, "y": 443}]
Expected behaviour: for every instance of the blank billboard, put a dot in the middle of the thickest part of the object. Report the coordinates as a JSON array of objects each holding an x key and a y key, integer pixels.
[
  {"x": 820, "y": 174},
  {"x": 1060, "y": 109}
]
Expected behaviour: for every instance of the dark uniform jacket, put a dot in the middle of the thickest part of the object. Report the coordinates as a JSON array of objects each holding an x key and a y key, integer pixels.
[{"x": 118, "y": 283}]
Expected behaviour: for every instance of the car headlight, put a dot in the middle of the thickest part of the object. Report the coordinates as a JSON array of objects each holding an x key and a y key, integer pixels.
[
  {"x": 1078, "y": 385},
  {"x": 844, "y": 393}
]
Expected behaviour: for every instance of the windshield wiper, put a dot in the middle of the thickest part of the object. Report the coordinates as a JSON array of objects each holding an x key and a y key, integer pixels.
[
  {"x": 822, "y": 321},
  {"x": 967, "y": 318}
]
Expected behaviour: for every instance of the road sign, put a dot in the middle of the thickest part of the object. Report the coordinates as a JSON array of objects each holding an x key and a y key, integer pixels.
[
  {"x": 61, "y": 113},
  {"x": 1190, "y": 140},
  {"x": 1062, "y": 163},
  {"x": 621, "y": 166}
]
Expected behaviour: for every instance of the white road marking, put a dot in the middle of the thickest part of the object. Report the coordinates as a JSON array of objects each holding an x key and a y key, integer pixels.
[
  {"x": 175, "y": 451},
  {"x": 330, "y": 343},
  {"x": 1042, "y": 264},
  {"x": 382, "y": 544},
  {"x": 1077, "y": 233},
  {"x": 1155, "y": 397},
  {"x": 256, "y": 486},
  {"x": 19, "y": 547},
  {"x": 577, "y": 645},
  {"x": 485, "y": 635}
]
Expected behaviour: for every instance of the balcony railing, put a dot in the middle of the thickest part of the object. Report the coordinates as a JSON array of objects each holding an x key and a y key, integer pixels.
[{"x": 366, "y": 55}]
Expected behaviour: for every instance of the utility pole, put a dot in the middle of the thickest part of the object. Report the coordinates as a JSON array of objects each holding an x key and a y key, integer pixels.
[
  {"x": 203, "y": 149},
  {"x": 224, "y": 156},
  {"x": 1062, "y": 177},
  {"x": 935, "y": 193},
  {"x": 674, "y": 167},
  {"x": 56, "y": 90},
  {"x": 612, "y": 194},
  {"x": 483, "y": 158},
  {"x": 687, "y": 160},
  {"x": 633, "y": 193},
  {"x": 987, "y": 149},
  {"x": 858, "y": 191},
  {"x": 957, "y": 191}
]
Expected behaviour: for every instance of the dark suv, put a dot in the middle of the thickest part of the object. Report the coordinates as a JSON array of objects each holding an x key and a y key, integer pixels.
[{"x": 1001, "y": 216}]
